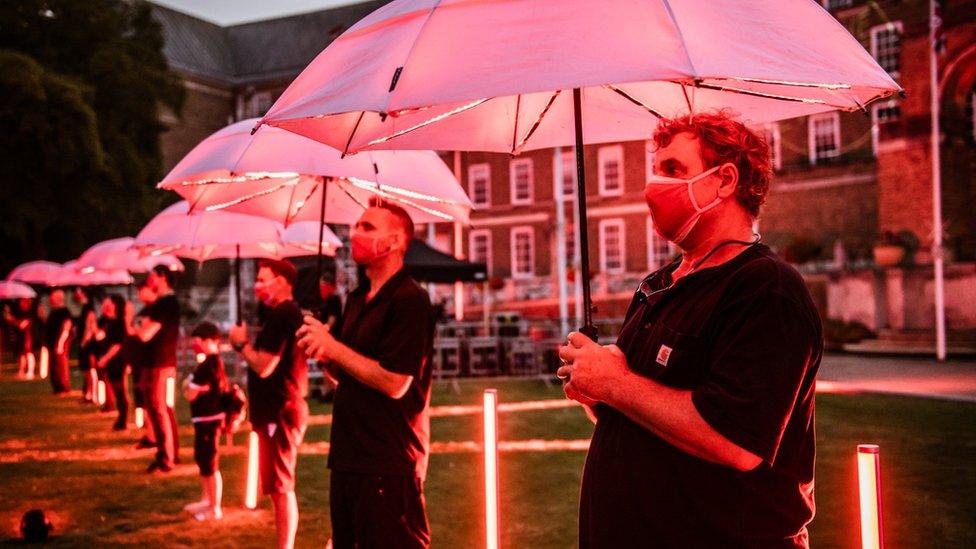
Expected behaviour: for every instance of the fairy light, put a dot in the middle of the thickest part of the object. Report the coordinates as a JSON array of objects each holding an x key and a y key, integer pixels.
[
  {"x": 490, "y": 419},
  {"x": 252, "y": 196},
  {"x": 251, "y": 491},
  {"x": 243, "y": 178},
  {"x": 428, "y": 122},
  {"x": 869, "y": 485},
  {"x": 100, "y": 393}
]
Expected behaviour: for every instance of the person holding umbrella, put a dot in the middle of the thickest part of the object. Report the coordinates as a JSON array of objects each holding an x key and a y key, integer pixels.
[
  {"x": 277, "y": 382},
  {"x": 380, "y": 358},
  {"x": 86, "y": 323},
  {"x": 704, "y": 407},
  {"x": 57, "y": 337},
  {"x": 110, "y": 361}
]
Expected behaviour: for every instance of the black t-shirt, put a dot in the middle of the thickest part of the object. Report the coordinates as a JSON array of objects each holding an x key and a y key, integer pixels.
[
  {"x": 207, "y": 405},
  {"x": 161, "y": 349},
  {"x": 745, "y": 338},
  {"x": 371, "y": 432},
  {"x": 331, "y": 307},
  {"x": 84, "y": 350},
  {"x": 280, "y": 397},
  {"x": 55, "y": 323},
  {"x": 114, "y": 335}
]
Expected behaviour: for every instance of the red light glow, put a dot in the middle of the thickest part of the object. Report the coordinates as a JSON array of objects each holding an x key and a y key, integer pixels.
[
  {"x": 869, "y": 486},
  {"x": 490, "y": 415},
  {"x": 251, "y": 490}
]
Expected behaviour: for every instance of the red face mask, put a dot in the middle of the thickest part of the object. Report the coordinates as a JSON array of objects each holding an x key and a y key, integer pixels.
[
  {"x": 674, "y": 210},
  {"x": 367, "y": 249}
]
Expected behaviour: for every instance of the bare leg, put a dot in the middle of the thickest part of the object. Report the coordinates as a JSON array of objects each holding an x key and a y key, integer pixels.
[
  {"x": 286, "y": 518},
  {"x": 215, "y": 493}
]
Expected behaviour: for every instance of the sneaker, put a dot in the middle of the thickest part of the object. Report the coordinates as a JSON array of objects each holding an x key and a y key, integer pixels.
[
  {"x": 119, "y": 427},
  {"x": 158, "y": 466},
  {"x": 145, "y": 443},
  {"x": 196, "y": 506},
  {"x": 216, "y": 514}
]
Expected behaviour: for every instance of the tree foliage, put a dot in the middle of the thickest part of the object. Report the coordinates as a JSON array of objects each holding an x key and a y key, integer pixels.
[{"x": 81, "y": 88}]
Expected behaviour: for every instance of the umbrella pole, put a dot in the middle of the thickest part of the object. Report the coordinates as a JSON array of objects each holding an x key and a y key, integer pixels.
[
  {"x": 588, "y": 329},
  {"x": 237, "y": 282},
  {"x": 318, "y": 266}
]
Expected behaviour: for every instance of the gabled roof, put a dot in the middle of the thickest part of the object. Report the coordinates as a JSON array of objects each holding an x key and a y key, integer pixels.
[{"x": 253, "y": 53}]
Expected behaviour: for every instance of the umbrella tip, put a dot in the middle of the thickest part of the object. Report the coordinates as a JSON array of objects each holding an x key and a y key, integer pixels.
[{"x": 255, "y": 128}]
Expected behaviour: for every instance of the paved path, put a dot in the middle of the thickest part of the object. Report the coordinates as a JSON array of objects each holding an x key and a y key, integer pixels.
[{"x": 953, "y": 380}]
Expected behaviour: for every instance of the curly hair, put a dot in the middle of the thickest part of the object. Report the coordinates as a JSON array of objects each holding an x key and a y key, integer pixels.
[{"x": 722, "y": 138}]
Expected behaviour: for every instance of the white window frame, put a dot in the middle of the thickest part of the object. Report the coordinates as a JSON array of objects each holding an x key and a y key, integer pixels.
[
  {"x": 652, "y": 239},
  {"x": 472, "y": 236},
  {"x": 515, "y": 232},
  {"x": 615, "y": 152},
  {"x": 776, "y": 147},
  {"x": 512, "y": 170},
  {"x": 876, "y": 123},
  {"x": 253, "y": 104},
  {"x": 567, "y": 158},
  {"x": 604, "y": 225},
  {"x": 649, "y": 154},
  {"x": 811, "y": 135},
  {"x": 473, "y": 171},
  {"x": 884, "y": 27}
]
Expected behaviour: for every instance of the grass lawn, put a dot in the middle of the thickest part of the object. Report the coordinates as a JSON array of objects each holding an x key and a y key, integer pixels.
[{"x": 61, "y": 456}]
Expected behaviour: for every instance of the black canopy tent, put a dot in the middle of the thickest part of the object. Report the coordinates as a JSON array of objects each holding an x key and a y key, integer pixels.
[{"x": 425, "y": 264}]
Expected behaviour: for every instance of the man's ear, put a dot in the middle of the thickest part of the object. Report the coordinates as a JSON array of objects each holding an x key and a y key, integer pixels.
[{"x": 729, "y": 174}]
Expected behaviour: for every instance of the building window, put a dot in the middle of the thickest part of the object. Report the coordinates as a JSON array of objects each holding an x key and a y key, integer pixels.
[
  {"x": 568, "y": 163},
  {"x": 479, "y": 247},
  {"x": 770, "y": 133},
  {"x": 659, "y": 250},
  {"x": 522, "y": 180},
  {"x": 611, "y": 170},
  {"x": 523, "y": 252},
  {"x": 258, "y": 105},
  {"x": 887, "y": 111},
  {"x": 612, "y": 246},
  {"x": 479, "y": 184},
  {"x": 886, "y": 47},
  {"x": 837, "y": 4},
  {"x": 824, "y": 137},
  {"x": 649, "y": 153}
]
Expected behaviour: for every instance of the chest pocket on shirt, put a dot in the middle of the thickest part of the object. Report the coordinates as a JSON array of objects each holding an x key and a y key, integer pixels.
[{"x": 669, "y": 354}]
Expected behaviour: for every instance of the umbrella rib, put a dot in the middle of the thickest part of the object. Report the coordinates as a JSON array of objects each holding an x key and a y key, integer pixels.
[
  {"x": 518, "y": 106},
  {"x": 633, "y": 100},
  {"x": 353, "y": 197},
  {"x": 684, "y": 90},
  {"x": 762, "y": 94},
  {"x": 291, "y": 216},
  {"x": 345, "y": 151},
  {"x": 681, "y": 36},
  {"x": 535, "y": 126},
  {"x": 406, "y": 58},
  {"x": 788, "y": 83},
  {"x": 370, "y": 186},
  {"x": 437, "y": 118},
  {"x": 387, "y": 194},
  {"x": 245, "y": 198}
]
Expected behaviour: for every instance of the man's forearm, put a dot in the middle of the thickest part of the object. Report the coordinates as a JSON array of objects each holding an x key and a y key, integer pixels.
[
  {"x": 670, "y": 414},
  {"x": 370, "y": 372},
  {"x": 261, "y": 362}
]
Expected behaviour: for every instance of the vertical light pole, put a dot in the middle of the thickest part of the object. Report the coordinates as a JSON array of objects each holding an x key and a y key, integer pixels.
[
  {"x": 458, "y": 254},
  {"x": 490, "y": 417},
  {"x": 869, "y": 489},
  {"x": 559, "y": 196},
  {"x": 937, "y": 252},
  {"x": 251, "y": 490}
]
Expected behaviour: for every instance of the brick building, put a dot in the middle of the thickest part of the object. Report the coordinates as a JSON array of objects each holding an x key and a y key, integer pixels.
[{"x": 841, "y": 179}]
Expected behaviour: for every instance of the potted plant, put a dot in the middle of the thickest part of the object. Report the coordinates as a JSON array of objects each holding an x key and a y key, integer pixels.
[{"x": 894, "y": 249}]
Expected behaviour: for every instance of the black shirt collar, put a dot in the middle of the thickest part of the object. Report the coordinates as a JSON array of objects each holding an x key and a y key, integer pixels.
[{"x": 391, "y": 285}]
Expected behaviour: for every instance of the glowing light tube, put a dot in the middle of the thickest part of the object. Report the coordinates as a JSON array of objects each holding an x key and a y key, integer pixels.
[
  {"x": 490, "y": 415},
  {"x": 93, "y": 385},
  {"x": 869, "y": 486},
  {"x": 101, "y": 393},
  {"x": 251, "y": 491},
  {"x": 140, "y": 418},
  {"x": 45, "y": 361},
  {"x": 171, "y": 392}
]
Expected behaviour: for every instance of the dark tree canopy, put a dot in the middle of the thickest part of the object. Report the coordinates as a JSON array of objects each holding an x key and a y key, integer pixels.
[{"x": 81, "y": 88}]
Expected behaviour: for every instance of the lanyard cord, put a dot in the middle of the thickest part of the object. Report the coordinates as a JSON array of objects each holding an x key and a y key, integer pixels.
[{"x": 748, "y": 244}]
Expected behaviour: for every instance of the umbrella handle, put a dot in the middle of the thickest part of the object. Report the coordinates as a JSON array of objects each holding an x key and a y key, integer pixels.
[{"x": 589, "y": 330}]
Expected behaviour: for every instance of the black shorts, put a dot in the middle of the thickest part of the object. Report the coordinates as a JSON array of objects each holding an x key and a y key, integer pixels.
[
  {"x": 206, "y": 437},
  {"x": 278, "y": 455},
  {"x": 372, "y": 511}
]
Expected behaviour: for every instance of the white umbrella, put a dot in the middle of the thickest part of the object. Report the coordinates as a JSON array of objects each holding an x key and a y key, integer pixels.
[
  {"x": 71, "y": 274},
  {"x": 34, "y": 272},
  {"x": 15, "y": 290},
  {"x": 519, "y": 75},
  {"x": 118, "y": 254}
]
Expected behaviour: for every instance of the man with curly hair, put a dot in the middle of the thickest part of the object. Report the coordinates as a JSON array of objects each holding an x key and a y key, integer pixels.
[{"x": 704, "y": 407}]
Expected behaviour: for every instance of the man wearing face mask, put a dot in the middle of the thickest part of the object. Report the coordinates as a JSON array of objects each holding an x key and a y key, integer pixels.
[
  {"x": 704, "y": 407},
  {"x": 277, "y": 382},
  {"x": 380, "y": 357}
]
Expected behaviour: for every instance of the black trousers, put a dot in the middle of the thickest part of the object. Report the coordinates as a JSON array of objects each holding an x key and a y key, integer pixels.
[
  {"x": 121, "y": 391},
  {"x": 373, "y": 511},
  {"x": 60, "y": 378}
]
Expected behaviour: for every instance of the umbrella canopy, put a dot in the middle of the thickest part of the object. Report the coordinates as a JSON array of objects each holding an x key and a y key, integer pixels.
[
  {"x": 429, "y": 265},
  {"x": 219, "y": 234},
  {"x": 497, "y": 76},
  {"x": 35, "y": 272},
  {"x": 72, "y": 274},
  {"x": 118, "y": 254},
  {"x": 15, "y": 290},
  {"x": 513, "y": 76},
  {"x": 281, "y": 175}
]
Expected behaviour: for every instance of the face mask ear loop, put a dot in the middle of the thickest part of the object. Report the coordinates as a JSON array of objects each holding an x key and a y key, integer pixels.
[{"x": 691, "y": 192}]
